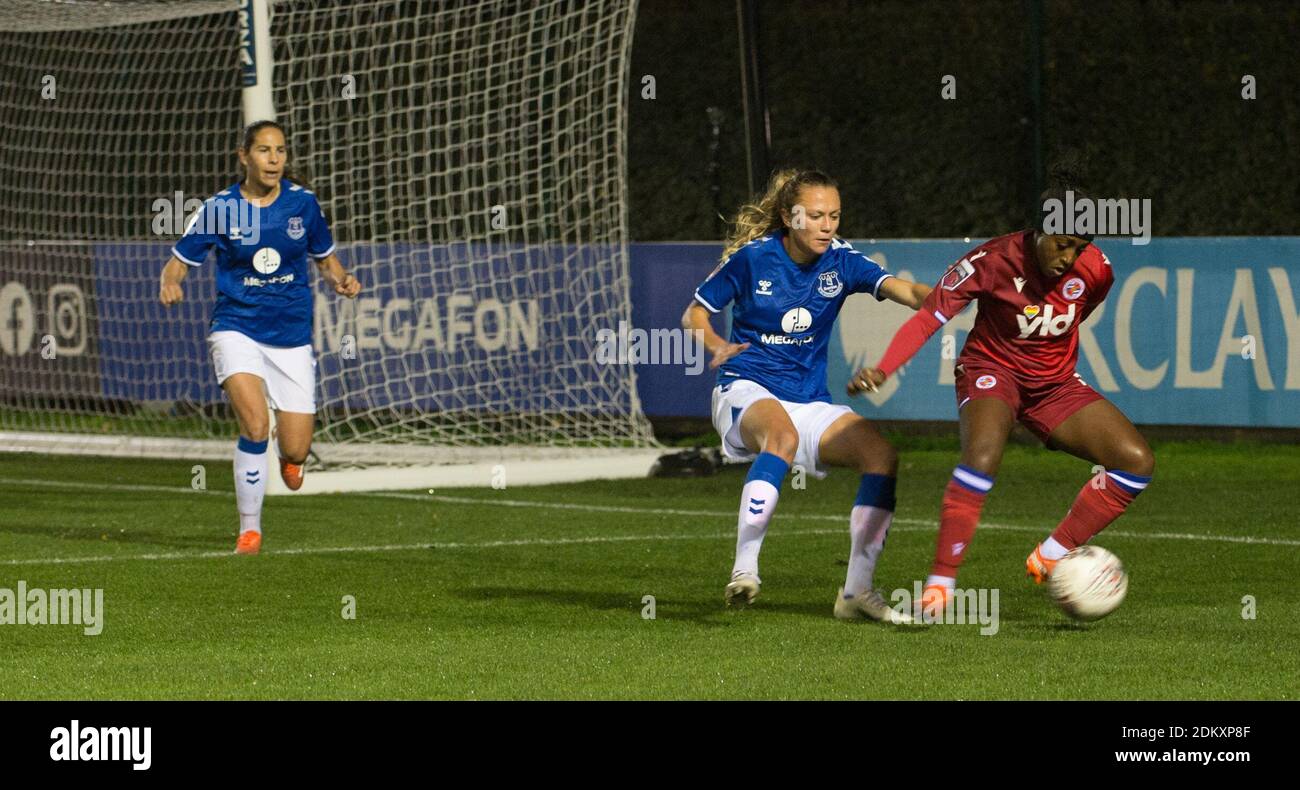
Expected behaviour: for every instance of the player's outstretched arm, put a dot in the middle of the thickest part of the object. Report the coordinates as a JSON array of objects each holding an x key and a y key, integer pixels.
[
  {"x": 696, "y": 320},
  {"x": 169, "y": 290},
  {"x": 960, "y": 285},
  {"x": 905, "y": 292},
  {"x": 907, "y": 341},
  {"x": 343, "y": 283}
]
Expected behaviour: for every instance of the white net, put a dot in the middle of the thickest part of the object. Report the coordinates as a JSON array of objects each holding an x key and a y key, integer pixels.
[{"x": 469, "y": 155}]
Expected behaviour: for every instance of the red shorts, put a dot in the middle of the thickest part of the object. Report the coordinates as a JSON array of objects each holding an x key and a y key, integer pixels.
[{"x": 1038, "y": 407}]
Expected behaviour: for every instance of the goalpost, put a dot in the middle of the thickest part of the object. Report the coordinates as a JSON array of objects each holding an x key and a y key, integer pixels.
[{"x": 471, "y": 158}]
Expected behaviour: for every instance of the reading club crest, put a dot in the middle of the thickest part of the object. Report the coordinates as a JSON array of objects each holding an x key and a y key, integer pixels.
[
  {"x": 829, "y": 285},
  {"x": 295, "y": 228}
]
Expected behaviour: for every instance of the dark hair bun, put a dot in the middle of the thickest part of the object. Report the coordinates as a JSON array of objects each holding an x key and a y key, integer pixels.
[{"x": 1068, "y": 172}]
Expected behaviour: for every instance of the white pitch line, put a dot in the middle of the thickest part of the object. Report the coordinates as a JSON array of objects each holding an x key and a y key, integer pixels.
[
  {"x": 916, "y": 525},
  {"x": 198, "y": 555},
  {"x": 82, "y": 486},
  {"x": 491, "y": 544},
  {"x": 810, "y": 517}
]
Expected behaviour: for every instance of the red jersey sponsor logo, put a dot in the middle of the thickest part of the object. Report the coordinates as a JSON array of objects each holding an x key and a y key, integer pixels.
[{"x": 1044, "y": 324}]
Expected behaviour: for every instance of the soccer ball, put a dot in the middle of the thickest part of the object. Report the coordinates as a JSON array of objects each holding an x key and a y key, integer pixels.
[{"x": 1088, "y": 583}]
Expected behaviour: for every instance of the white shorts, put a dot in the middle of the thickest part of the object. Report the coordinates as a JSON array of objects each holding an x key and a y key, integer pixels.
[
  {"x": 289, "y": 373},
  {"x": 732, "y": 399}
]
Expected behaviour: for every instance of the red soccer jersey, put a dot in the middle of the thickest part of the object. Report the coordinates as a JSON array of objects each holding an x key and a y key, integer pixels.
[{"x": 1027, "y": 322}]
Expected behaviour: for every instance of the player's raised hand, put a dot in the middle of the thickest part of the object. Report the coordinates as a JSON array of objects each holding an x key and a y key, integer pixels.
[
  {"x": 349, "y": 286},
  {"x": 170, "y": 293},
  {"x": 727, "y": 352},
  {"x": 866, "y": 380},
  {"x": 169, "y": 284}
]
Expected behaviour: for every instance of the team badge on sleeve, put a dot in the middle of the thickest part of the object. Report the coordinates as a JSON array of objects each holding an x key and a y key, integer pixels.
[
  {"x": 986, "y": 382},
  {"x": 1072, "y": 289},
  {"x": 829, "y": 285},
  {"x": 957, "y": 274},
  {"x": 296, "y": 230}
]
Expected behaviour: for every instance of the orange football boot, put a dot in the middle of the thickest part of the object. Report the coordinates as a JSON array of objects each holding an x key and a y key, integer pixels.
[
  {"x": 934, "y": 600},
  {"x": 250, "y": 542},
  {"x": 1038, "y": 567},
  {"x": 291, "y": 474}
]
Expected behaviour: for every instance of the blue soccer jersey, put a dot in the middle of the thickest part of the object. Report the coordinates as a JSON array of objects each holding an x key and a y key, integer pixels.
[
  {"x": 262, "y": 274},
  {"x": 785, "y": 312}
]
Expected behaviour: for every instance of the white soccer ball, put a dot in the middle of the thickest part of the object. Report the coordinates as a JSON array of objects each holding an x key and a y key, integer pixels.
[{"x": 1088, "y": 583}]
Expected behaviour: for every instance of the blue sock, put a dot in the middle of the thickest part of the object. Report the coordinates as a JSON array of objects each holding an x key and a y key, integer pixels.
[
  {"x": 876, "y": 491},
  {"x": 769, "y": 467}
]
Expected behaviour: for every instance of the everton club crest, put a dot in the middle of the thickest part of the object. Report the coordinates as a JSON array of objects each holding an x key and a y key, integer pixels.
[
  {"x": 829, "y": 285},
  {"x": 295, "y": 228}
]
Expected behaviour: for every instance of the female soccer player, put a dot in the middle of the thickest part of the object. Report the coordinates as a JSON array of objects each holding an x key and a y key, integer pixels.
[
  {"x": 788, "y": 277},
  {"x": 1018, "y": 364},
  {"x": 264, "y": 229}
]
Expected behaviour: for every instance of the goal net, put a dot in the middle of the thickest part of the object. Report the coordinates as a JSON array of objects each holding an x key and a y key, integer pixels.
[{"x": 470, "y": 157}]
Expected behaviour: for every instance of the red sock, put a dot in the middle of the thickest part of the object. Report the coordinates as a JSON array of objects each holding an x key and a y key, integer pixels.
[
  {"x": 962, "y": 504},
  {"x": 1096, "y": 507}
]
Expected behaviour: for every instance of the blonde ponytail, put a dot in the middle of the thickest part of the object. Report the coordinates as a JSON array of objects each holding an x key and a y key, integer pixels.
[{"x": 755, "y": 220}]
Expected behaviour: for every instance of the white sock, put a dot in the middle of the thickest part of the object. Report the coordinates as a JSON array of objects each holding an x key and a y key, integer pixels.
[
  {"x": 757, "y": 502},
  {"x": 250, "y": 483},
  {"x": 1052, "y": 550},
  {"x": 942, "y": 581},
  {"x": 868, "y": 527}
]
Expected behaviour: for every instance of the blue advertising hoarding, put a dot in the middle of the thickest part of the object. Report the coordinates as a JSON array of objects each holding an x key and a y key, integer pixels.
[{"x": 438, "y": 328}]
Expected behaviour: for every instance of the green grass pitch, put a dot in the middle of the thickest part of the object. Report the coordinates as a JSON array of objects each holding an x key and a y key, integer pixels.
[{"x": 538, "y": 592}]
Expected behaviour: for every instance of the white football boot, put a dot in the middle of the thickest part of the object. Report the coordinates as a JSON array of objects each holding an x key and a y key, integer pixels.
[
  {"x": 869, "y": 605},
  {"x": 742, "y": 590}
]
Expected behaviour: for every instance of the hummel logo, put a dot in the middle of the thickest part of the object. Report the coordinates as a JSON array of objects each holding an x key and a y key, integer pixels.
[
  {"x": 1020, "y": 284},
  {"x": 764, "y": 288}
]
